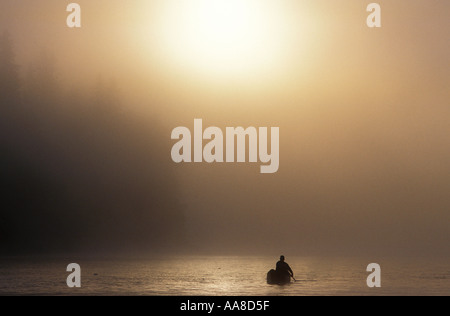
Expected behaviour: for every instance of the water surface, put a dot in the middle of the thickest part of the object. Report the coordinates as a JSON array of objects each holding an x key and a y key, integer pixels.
[{"x": 220, "y": 276}]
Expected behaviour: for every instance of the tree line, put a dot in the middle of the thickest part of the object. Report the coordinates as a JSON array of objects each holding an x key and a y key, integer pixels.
[{"x": 77, "y": 171}]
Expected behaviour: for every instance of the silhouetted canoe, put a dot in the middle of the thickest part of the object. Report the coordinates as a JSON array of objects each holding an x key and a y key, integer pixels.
[{"x": 274, "y": 277}]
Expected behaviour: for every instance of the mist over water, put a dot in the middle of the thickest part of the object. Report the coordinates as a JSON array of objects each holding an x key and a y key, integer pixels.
[
  {"x": 78, "y": 171},
  {"x": 86, "y": 117}
]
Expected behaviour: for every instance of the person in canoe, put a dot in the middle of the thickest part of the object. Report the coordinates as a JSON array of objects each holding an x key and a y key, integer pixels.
[
  {"x": 283, "y": 268},
  {"x": 282, "y": 274}
]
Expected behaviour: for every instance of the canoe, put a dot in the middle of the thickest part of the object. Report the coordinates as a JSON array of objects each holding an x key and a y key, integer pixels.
[{"x": 276, "y": 277}]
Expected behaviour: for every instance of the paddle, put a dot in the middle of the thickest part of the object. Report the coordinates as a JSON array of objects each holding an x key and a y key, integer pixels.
[{"x": 293, "y": 278}]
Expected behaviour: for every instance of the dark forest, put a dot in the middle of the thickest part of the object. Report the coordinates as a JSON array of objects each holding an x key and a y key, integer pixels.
[{"x": 77, "y": 171}]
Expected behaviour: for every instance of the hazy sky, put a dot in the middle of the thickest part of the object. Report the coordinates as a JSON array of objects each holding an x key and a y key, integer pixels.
[{"x": 363, "y": 113}]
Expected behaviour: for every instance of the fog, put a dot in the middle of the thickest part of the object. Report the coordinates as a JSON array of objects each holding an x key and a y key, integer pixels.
[{"x": 86, "y": 117}]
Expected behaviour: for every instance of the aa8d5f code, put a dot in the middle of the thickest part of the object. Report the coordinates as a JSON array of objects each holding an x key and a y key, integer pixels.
[{"x": 246, "y": 306}]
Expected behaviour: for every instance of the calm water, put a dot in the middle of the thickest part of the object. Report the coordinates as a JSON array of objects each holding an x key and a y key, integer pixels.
[{"x": 220, "y": 276}]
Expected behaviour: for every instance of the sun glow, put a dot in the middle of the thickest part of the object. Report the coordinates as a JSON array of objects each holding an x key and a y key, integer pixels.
[{"x": 238, "y": 38}]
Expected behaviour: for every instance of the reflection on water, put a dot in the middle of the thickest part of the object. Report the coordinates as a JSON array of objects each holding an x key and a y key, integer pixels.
[{"x": 220, "y": 276}]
